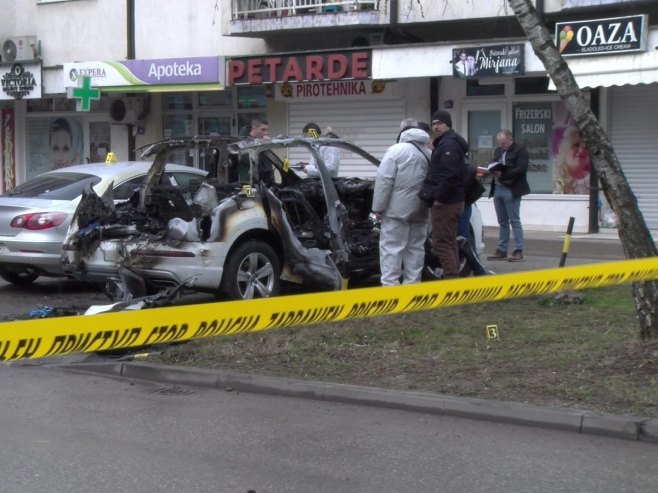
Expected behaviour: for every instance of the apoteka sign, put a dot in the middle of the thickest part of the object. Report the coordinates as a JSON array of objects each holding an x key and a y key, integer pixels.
[
  {"x": 18, "y": 82},
  {"x": 602, "y": 36}
]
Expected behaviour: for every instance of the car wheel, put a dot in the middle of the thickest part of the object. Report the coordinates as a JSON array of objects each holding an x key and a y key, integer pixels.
[
  {"x": 252, "y": 271},
  {"x": 19, "y": 278}
]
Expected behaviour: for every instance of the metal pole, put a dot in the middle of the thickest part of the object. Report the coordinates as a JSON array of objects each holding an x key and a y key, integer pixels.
[{"x": 567, "y": 242}]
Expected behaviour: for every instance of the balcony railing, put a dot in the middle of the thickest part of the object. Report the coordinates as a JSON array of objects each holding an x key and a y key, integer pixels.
[{"x": 245, "y": 9}]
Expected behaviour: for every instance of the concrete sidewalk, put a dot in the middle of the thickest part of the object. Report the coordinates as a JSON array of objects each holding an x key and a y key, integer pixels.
[{"x": 574, "y": 420}]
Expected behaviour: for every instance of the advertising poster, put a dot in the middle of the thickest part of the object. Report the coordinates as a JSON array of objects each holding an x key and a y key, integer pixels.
[
  {"x": 533, "y": 127},
  {"x": 571, "y": 163},
  {"x": 7, "y": 144},
  {"x": 52, "y": 143}
]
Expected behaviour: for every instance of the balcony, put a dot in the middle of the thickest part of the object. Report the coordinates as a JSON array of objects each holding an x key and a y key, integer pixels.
[{"x": 258, "y": 17}]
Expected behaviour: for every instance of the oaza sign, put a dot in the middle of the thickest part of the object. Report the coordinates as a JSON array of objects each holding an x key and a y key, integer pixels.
[{"x": 602, "y": 36}]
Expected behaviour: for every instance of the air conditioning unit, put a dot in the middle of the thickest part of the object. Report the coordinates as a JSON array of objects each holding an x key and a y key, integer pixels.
[
  {"x": 19, "y": 48},
  {"x": 128, "y": 110}
]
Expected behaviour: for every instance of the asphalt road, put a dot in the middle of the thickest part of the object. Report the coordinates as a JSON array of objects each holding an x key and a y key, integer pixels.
[{"x": 63, "y": 432}]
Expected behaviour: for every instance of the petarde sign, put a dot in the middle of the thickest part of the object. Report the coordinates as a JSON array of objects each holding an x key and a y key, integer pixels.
[
  {"x": 341, "y": 65},
  {"x": 602, "y": 36}
]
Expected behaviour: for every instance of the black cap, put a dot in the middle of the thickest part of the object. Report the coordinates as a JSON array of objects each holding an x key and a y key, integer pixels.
[{"x": 443, "y": 117}]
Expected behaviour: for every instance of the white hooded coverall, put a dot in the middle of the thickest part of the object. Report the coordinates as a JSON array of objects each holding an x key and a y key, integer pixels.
[{"x": 404, "y": 216}]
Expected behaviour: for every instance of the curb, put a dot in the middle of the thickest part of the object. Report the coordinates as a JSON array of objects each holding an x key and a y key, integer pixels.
[{"x": 579, "y": 421}]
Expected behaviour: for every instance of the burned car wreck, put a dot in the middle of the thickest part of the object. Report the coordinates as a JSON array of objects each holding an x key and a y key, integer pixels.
[{"x": 226, "y": 234}]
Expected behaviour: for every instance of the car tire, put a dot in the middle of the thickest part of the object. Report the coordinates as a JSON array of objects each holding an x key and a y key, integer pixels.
[
  {"x": 252, "y": 271},
  {"x": 19, "y": 278}
]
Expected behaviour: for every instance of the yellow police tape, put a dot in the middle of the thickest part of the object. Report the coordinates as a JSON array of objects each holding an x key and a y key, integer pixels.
[{"x": 65, "y": 335}]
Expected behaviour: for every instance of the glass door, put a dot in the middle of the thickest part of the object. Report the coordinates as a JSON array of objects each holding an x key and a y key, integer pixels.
[{"x": 482, "y": 122}]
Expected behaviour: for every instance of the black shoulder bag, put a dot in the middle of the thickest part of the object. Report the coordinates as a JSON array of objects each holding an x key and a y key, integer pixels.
[{"x": 426, "y": 193}]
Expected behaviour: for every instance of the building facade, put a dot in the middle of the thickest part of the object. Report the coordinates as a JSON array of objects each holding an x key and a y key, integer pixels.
[{"x": 357, "y": 66}]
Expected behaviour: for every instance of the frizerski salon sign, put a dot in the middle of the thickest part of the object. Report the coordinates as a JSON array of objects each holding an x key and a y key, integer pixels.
[
  {"x": 602, "y": 36},
  {"x": 300, "y": 68},
  {"x": 18, "y": 82},
  {"x": 488, "y": 61}
]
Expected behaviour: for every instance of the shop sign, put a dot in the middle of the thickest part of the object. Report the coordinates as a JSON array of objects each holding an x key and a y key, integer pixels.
[
  {"x": 180, "y": 74},
  {"x": 602, "y": 36},
  {"x": 488, "y": 61},
  {"x": 570, "y": 4},
  {"x": 331, "y": 89},
  {"x": 20, "y": 81},
  {"x": 317, "y": 66}
]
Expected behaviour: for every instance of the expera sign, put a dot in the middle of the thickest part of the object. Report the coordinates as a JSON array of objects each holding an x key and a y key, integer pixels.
[
  {"x": 300, "y": 68},
  {"x": 602, "y": 36},
  {"x": 165, "y": 74}
]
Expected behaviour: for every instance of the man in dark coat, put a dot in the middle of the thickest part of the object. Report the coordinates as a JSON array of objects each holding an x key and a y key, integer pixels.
[
  {"x": 446, "y": 172},
  {"x": 507, "y": 188}
]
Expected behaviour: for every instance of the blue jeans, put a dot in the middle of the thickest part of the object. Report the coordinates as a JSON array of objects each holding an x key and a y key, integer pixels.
[
  {"x": 508, "y": 213},
  {"x": 464, "y": 229}
]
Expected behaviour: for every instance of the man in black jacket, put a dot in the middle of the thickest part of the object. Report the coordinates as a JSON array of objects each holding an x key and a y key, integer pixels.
[
  {"x": 507, "y": 188},
  {"x": 446, "y": 172}
]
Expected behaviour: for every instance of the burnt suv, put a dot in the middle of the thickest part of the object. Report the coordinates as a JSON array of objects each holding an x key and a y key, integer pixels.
[{"x": 254, "y": 223}]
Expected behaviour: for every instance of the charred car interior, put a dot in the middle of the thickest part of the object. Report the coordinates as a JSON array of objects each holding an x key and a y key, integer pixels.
[{"x": 251, "y": 224}]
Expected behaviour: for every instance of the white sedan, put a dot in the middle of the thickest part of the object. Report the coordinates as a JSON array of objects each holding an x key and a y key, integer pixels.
[{"x": 35, "y": 216}]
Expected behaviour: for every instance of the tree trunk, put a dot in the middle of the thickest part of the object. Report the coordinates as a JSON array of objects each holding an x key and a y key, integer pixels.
[{"x": 635, "y": 237}]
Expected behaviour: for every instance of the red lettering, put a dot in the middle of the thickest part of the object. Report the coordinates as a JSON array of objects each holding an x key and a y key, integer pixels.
[
  {"x": 360, "y": 65},
  {"x": 272, "y": 64},
  {"x": 292, "y": 71},
  {"x": 254, "y": 75},
  {"x": 314, "y": 65},
  {"x": 235, "y": 71},
  {"x": 336, "y": 67}
]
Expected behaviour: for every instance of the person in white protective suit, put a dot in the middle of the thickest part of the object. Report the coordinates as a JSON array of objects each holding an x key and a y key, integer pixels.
[{"x": 404, "y": 217}]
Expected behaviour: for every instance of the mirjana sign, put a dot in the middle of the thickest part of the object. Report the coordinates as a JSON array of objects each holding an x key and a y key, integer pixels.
[
  {"x": 488, "y": 61},
  {"x": 602, "y": 36}
]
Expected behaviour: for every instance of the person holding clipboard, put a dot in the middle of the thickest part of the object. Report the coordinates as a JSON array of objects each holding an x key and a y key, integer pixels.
[{"x": 509, "y": 169}]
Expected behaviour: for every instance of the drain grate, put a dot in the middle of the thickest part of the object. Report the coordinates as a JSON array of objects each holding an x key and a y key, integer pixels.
[{"x": 173, "y": 390}]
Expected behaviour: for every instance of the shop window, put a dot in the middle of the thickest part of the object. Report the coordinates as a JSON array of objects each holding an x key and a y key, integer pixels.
[
  {"x": 178, "y": 102},
  {"x": 532, "y": 85},
  {"x": 216, "y": 98},
  {"x": 475, "y": 88}
]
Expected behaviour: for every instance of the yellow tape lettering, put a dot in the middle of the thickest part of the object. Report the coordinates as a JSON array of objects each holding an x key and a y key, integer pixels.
[
  {"x": 582, "y": 282},
  {"x": 531, "y": 288},
  {"x": 299, "y": 317},
  {"x": 24, "y": 345},
  {"x": 372, "y": 308},
  {"x": 421, "y": 302},
  {"x": 226, "y": 326},
  {"x": 469, "y": 295},
  {"x": 166, "y": 333},
  {"x": 640, "y": 275}
]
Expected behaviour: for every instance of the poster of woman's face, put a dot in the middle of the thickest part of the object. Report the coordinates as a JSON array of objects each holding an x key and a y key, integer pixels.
[
  {"x": 572, "y": 162},
  {"x": 53, "y": 143}
]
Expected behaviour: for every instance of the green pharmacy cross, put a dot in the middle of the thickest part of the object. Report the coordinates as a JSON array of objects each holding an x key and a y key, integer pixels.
[{"x": 83, "y": 94}]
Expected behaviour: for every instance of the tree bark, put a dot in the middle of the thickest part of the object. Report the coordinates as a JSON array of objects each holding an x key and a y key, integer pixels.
[{"x": 635, "y": 237}]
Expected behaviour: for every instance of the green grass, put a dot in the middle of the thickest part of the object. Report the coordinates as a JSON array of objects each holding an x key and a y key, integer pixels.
[{"x": 584, "y": 356}]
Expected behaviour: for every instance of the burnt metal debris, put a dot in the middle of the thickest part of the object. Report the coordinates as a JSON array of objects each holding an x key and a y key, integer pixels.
[{"x": 311, "y": 231}]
